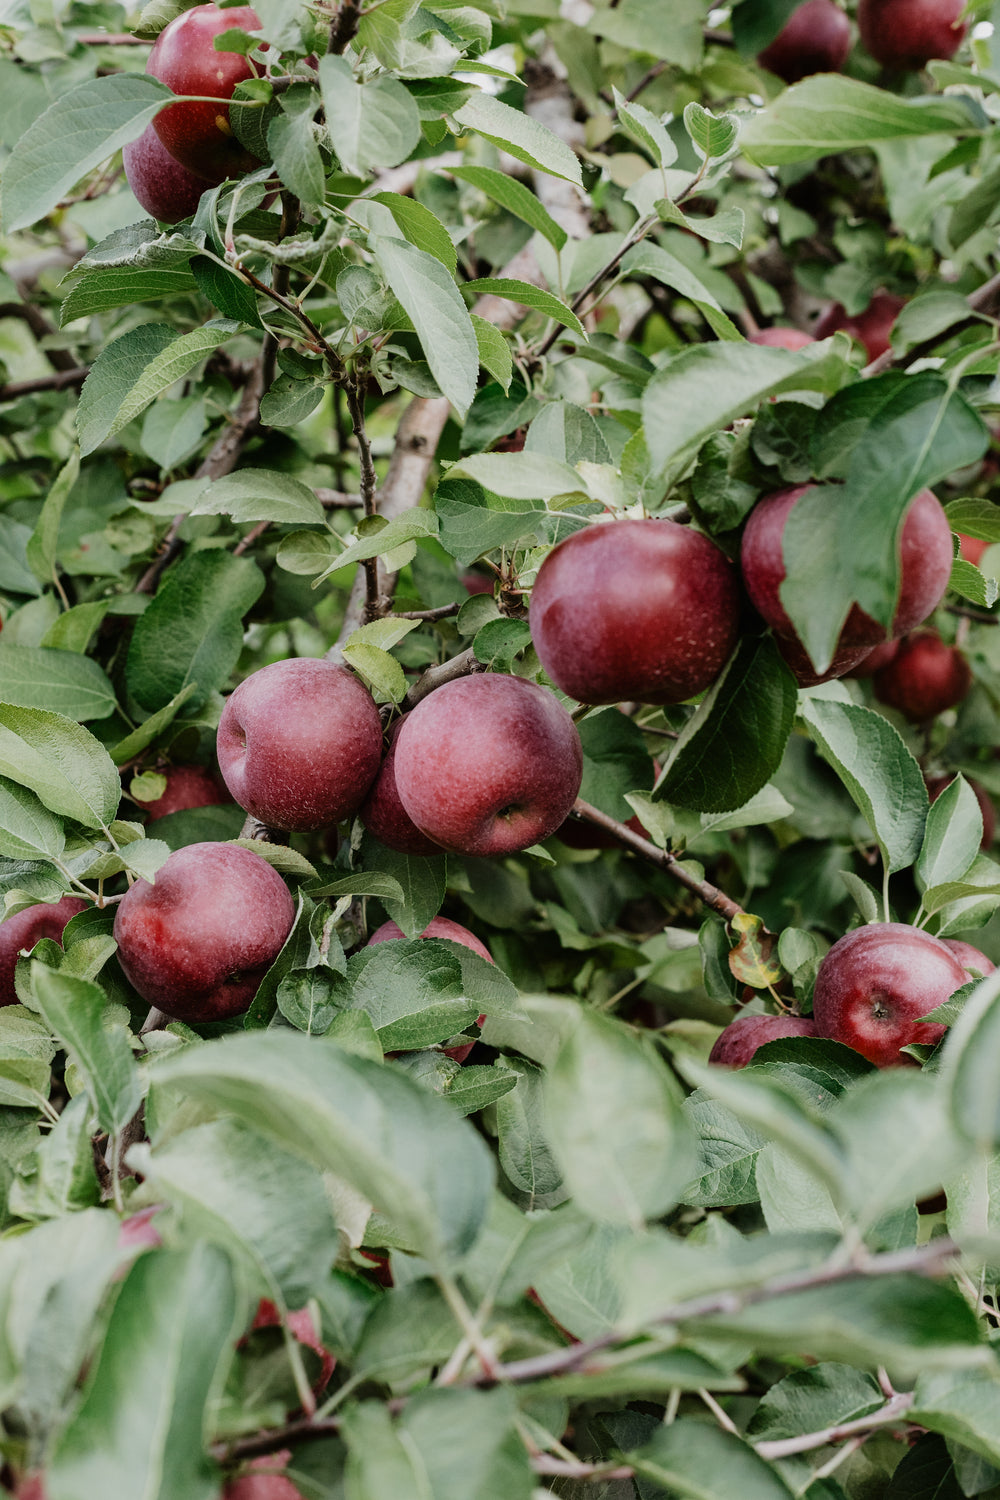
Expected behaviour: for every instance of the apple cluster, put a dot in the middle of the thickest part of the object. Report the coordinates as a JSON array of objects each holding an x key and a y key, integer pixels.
[
  {"x": 902, "y": 35},
  {"x": 191, "y": 146}
]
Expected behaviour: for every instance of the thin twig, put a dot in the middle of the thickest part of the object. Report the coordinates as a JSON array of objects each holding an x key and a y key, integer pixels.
[
  {"x": 546, "y": 1463},
  {"x": 337, "y": 499},
  {"x": 344, "y": 27},
  {"x": 246, "y": 542},
  {"x": 441, "y": 613},
  {"x": 890, "y": 1415},
  {"x": 462, "y": 665},
  {"x": 376, "y": 603},
  {"x": 62, "y": 380}
]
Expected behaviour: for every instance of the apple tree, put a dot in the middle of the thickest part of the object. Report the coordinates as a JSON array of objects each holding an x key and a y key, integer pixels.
[{"x": 499, "y": 708}]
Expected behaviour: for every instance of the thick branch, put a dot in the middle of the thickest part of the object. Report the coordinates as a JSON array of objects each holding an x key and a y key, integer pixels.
[
  {"x": 344, "y": 27},
  {"x": 709, "y": 894},
  {"x": 62, "y": 380}
]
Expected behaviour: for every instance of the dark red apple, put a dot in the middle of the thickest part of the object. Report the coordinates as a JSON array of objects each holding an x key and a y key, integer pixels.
[
  {"x": 906, "y": 34},
  {"x": 937, "y": 784},
  {"x": 973, "y": 960},
  {"x": 198, "y": 942},
  {"x": 300, "y": 743},
  {"x": 26, "y": 928},
  {"x": 845, "y": 660},
  {"x": 488, "y": 764},
  {"x": 642, "y": 610},
  {"x": 870, "y": 328},
  {"x": 198, "y": 134},
  {"x": 925, "y": 568},
  {"x": 876, "y": 982},
  {"x": 165, "y": 189},
  {"x": 454, "y": 932},
  {"x": 384, "y": 815},
  {"x": 303, "y": 1329},
  {"x": 736, "y": 1045},
  {"x": 784, "y": 338},
  {"x": 816, "y": 38},
  {"x": 876, "y": 658},
  {"x": 924, "y": 678},
  {"x": 971, "y": 547},
  {"x": 262, "y": 1481},
  {"x": 187, "y": 787}
]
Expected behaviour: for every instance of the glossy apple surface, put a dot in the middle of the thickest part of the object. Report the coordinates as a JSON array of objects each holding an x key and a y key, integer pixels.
[
  {"x": 876, "y": 982},
  {"x": 198, "y": 134},
  {"x": 973, "y": 960},
  {"x": 906, "y": 34},
  {"x": 384, "y": 815},
  {"x": 925, "y": 552},
  {"x": 816, "y": 38},
  {"x": 187, "y": 787},
  {"x": 874, "y": 660},
  {"x": 971, "y": 547},
  {"x": 870, "y": 328},
  {"x": 781, "y": 338},
  {"x": 164, "y": 187},
  {"x": 300, "y": 743},
  {"x": 937, "y": 784},
  {"x": 925, "y": 677},
  {"x": 488, "y": 764},
  {"x": 736, "y": 1045},
  {"x": 26, "y": 928},
  {"x": 198, "y": 942},
  {"x": 635, "y": 610}
]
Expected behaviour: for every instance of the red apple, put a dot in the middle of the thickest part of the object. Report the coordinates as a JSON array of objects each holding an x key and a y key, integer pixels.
[
  {"x": 138, "y": 1232},
  {"x": 262, "y": 1481},
  {"x": 877, "y": 657},
  {"x": 973, "y": 960},
  {"x": 488, "y": 764},
  {"x": 26, "y": 928},
  {"x": 384, "y": 815},
  {"x": 925, "y": 568},
  {"x": 165, "y": 189},
  {"x": 937, "y": 784},
  {"x": 870, "y": 328},
  {"x": 300, "y": 743},
  {"x": 784, "y": 338},
  {"x": 643, "y": 610},
  {"x": 199, "y": 135},
  {"x": 198, "y": 942},
  {"x": 845, "y": 660},
  {"x": 876, "y": 982},
  {"x": 187, "y": 787},
  {"x": 971, "y": 547},
  {"x": 303, "y": 1329},
  {"x": 736, "y": 1045},
  {"x": 33, "y": 1488},
  {"x": 908, "y": 33},
  {"x": 924, "y": 678},
  {"x": 454, "y": 932},
  {"x": 816, "y": 38}
]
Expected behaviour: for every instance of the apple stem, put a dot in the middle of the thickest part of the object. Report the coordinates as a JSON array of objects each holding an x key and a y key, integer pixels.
[{"x": 344, "y": 26}]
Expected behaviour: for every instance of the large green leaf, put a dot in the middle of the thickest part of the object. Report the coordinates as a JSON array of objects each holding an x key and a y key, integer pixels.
[
  {"x": 65, "y": 766},
  {"x": 76, "y": 1010},
  {"x": 519, "y": 135},
  {"x": 133, "y": 370},
  {"x": 371, "y": 124},
  {"x": 64, "y": 682},
  {"x": 261, "y": 495},
  {"x": 434, "y": 305},
  {"x": 698, "y": 1461}
]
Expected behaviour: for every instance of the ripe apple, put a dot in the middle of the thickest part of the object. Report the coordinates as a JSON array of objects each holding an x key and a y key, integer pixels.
[
  {"x": 784, "y": 338},
  {"x": 971, "y": 547},
  {"x": 644, "y": 610},
  {"x": 384, "y": 815},
  {"x": 816, "y": 38},
  {"x": 870, "y": 328},
  {"x": 906, "y": 34},
  {"x": 845, "y": 660},
  {"x": 198, "y": 942},
  {"x": 26, "y": 928},
  {"x": 263, "y": 1482},
  {"x": 973, "y": 960},
  {"x": 199, "y": 135},
  {"x": 736, "y": 1045},
  {"x": 877, "y": 657},
  {"x": 303, "y": 1330},
  {"x": 165, "y": 189},
  {"x": 187, "y": 787},
  {"x": 937, "y": 784},
  {"x": 876, "y": 982},
  {"x": 925, "y": 677},
  {"x": 488, "y": 764},
  {"x": 300, "y": 743},
  {"x": 925, "y": 568}
]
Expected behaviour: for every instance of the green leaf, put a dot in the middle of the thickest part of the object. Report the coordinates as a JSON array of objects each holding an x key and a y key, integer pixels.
[
  {"x": 733, "y": 744},
  {"x": 422, "y": 228},
  {"x": 646, "y": 129},
  {"x": 74, "y": 629},
  {"x": 698, "y": 1460},
  {"x": 521, "y": 476},
  {"x": 615, "y": 1124},
  {"x": 378, "y": 536},
  {"x": 424, "y": 990},
  {"x": 879, "y": 772},
  {"x": 41, "y": 548},
  {"x": 964, "y": 1407},
  {"x": 494, "y": 351},
  {"x": 75, "y": 134},
  {"x": 381, "y": 672},
  {"x": 434, "y": 305},
  {"x": 291, "y": 140},
  {"x": 192, "y": 632},
  {"x": 104, "y": 287},
  {"x": 474, "y": 522},
  {"x": 967, "y": 581},
  {"x": 714, "y": 136},
  {"x": 809, "y": 1400},
  {"x": 233, "y": 296},
  {"x": 151, "y": 728},
  {"x": 372, "y": 124},
  {"x": 468, "y": 1445},
  {"x": 139, "y": 1430},
  {"x": 519, "y": 135},
  {"x": 952, "y": 836},
  {"x": 829, "y": 113},
  {"x": 648, "y": 259},
  {"x": 398, "y": 1145},
  {"x": 75, "y": 1009},
  {"x": 27, "y": 829},
  {"x": 525, "y": 1150},
  {"x": 672, "y": 33},
  {"x": 528, "y": 296},
  {"x": 61, "y": 681},
  {"x": 67, "y": 768},
  {"x": 62, "y": 1178},
  {"x": 379, "y": 1465},
  {"x": 419, "y": 884},
  {"x": 974, "y": 517},
  {"x": 261, "y": 495},
  {"x": 132, "y": 371},
  {"x": 516, "y": 198},
  {"x": 970, "y": 1065}
]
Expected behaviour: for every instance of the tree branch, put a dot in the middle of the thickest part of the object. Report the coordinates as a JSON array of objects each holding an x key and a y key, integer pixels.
[
  {"x": 62, "y": 380},
  {"x": 462, "y": 665},
  {"x": 28, "y": 312},
  {"x": 889, "y": 1415},
  {"x": 344, "y": 26}
]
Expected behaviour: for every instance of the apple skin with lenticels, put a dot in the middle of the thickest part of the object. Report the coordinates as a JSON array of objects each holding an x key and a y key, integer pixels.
[
  {"x": 26, "y": 928},
  {"x": 907, "y": 34},
  {"x": 816, "y": 38},
  {"x": 735, "y": 1046},
  {"x": 640, "y": 610},
  {"x": 874, "y": 985},
  {"x": 197, "y": 133},
  {"x": 300, "y": 743},
  {"x": 488, "y": 765},
  {"x": 973, "y": 960},
  {"x": 384, "y": 815},
  {"x": 198, "y": 942}
]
